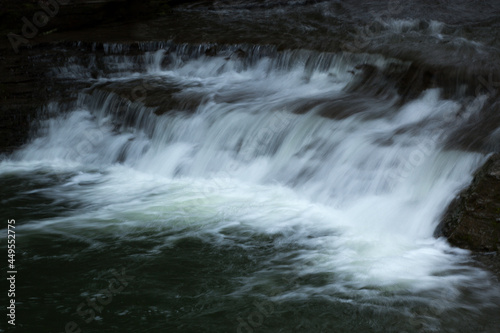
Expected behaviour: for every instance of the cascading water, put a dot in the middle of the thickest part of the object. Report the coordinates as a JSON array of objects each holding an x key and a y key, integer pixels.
[{"x": 276, "y": 168}]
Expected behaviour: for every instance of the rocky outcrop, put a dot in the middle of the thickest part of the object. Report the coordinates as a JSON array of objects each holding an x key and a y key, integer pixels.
[
  {"x": 40, "y": 16},
  {"x": 472, "y": 220},
  {"x": 25, "y": 57}
]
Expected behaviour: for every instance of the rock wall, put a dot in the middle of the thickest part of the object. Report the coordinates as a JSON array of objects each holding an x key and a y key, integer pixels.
[
  {"x": 25, "y": 58},
  {"x": 472, "y": 220}
]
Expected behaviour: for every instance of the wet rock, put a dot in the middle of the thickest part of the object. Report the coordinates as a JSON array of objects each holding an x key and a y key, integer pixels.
[
  {"x": 472, "y": 220},
  {"x": 415, "y": 80},
  {"x": 211, "y": 51},
  {"x": 478, "y": 133},
  {"x": 239, "y": 53}
]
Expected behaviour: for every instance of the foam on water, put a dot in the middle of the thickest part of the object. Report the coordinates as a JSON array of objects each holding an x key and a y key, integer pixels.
[{"x": 356, "y": 197}]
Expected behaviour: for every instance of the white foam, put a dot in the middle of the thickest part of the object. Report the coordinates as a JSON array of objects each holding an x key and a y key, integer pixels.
[{"x": 354, "y": 206}]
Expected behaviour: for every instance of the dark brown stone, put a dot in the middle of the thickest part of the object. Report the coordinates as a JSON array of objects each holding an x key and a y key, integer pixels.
[{"x": 472, "y": 220}]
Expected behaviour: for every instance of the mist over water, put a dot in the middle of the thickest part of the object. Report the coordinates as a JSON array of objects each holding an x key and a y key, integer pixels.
[{"x": 294, "y": 178}]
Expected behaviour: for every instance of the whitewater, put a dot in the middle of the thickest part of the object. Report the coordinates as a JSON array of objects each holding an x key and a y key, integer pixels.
[{"x": 279, "y": 156}]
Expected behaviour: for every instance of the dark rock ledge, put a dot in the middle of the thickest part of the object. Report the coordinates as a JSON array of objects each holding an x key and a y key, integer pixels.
[{"x": 472, "y": 221}]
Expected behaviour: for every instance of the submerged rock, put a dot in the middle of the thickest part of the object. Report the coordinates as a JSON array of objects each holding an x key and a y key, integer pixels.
[{"x": 472, "y": 220}]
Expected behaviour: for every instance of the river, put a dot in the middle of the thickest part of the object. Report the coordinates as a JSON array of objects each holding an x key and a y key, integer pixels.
[{"x": 251, "y": 187}]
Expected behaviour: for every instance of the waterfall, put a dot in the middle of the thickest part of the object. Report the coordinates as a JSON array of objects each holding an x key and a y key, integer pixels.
[{"x": 298, "y": 150}]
